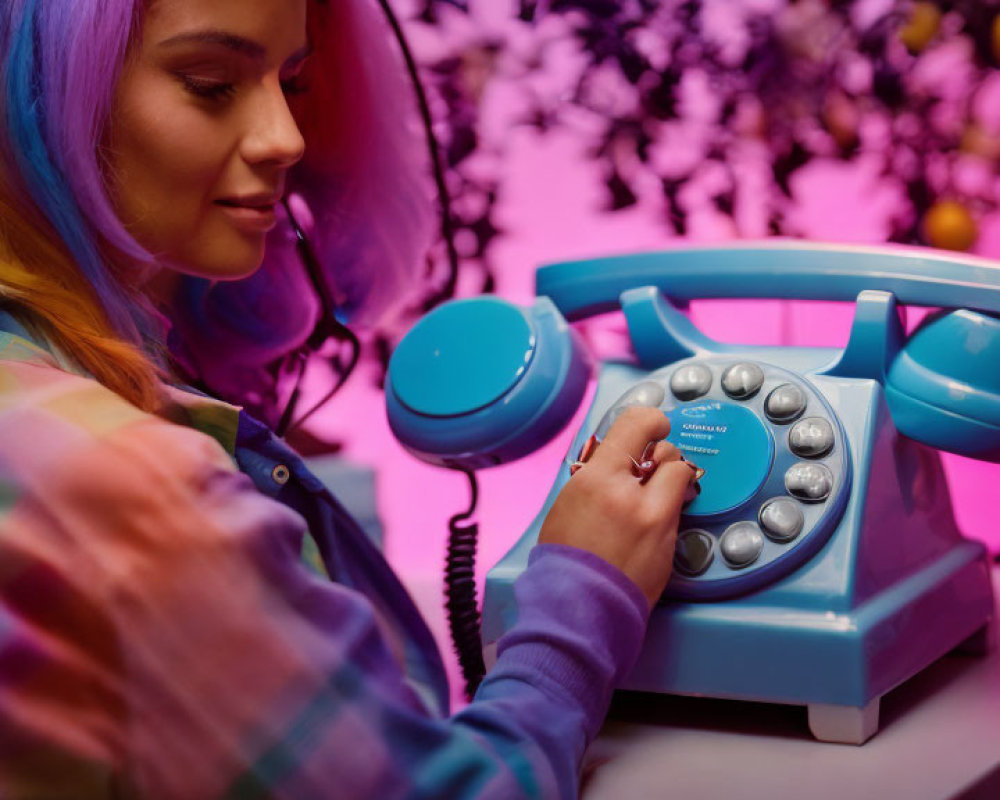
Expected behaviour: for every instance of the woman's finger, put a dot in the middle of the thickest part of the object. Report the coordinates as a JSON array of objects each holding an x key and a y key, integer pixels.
[
  {"x": 631, "y": 432},
  {"x": 674, "y": 483}
]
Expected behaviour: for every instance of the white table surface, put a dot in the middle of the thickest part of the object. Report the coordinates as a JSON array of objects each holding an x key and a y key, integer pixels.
[{"x": 938, "y": 733}]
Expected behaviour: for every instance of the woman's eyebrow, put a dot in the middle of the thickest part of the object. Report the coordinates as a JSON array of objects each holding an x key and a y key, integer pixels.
[
  {"x": 231, "y": 41},
  {"x": 238, "y": 44}
]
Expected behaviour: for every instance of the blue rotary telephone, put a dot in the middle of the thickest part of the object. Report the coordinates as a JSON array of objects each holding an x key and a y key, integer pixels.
[{"x": 821, "y": 564}]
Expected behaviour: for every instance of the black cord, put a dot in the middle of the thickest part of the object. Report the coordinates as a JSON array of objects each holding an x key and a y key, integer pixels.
[
  {"x": 344, "y": 372},
  {"x": 327, "y": 327},
  {"x": 434, "y": 150},
  {"x": 286, "y": 417},
  {"x": 328, "y": 305},
  {"x": 461, "y": 603}
]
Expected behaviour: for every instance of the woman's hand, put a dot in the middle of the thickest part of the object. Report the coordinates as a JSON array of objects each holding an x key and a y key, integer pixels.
[{"x": 606, "y": 510}]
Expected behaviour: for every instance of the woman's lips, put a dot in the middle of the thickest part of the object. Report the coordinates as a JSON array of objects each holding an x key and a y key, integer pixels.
[{"x": 253, "y": 218}]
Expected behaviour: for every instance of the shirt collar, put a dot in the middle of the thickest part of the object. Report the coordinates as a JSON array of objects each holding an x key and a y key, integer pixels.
[{"x": 184, "y": 406}]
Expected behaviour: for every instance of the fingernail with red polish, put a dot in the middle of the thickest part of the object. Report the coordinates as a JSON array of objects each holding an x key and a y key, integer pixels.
[
  {"x": 588, "y": 450},
  {"x": 699, "y": 473}
]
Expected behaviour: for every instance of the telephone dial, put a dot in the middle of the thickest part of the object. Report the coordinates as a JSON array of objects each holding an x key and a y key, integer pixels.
[{"x": 820, "y": 565}]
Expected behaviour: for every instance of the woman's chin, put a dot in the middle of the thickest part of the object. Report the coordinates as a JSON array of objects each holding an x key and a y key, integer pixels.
[{"x": 230, "y": 263}]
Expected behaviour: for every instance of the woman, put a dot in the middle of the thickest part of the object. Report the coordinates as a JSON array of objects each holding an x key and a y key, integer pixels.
[{"x": 186, "y": 612}]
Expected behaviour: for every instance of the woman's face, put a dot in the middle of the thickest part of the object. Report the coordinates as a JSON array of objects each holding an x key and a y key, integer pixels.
[{"x": 201, "y": 137}]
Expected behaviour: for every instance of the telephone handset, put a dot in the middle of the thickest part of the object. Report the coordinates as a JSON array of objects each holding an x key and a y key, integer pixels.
[
  {"x": 821, "y": 563},
  {"x": 943, "y": 386}
]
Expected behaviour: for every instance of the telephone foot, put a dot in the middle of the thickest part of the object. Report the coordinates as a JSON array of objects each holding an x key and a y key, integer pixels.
[{"x": 844, "y": 724}]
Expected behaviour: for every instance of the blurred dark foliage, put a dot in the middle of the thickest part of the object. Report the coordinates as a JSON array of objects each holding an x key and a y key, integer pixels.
[{"x": 785, "y": 86}]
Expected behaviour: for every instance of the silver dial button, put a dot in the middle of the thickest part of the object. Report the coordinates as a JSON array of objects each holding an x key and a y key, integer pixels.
[
  {"x": 742, "y": 381},
  {"x": 810, "y": 483},
  {"x": 811, "y": 437},
  {"x": 647, "y": 393},
  {"x": 781, "y": 519},
  {"x": 693, "y": 553},
  {"x": 785, "y": 403},
  {"x": 691, "y": 381},
  {"x": 741, "y": 544}
]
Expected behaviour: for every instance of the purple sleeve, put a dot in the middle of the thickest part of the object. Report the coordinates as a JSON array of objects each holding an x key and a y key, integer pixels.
[{"x": 579, "y": 628}]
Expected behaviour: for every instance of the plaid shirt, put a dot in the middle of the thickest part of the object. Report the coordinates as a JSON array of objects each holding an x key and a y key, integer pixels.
[{"x": 186, "y": 612}]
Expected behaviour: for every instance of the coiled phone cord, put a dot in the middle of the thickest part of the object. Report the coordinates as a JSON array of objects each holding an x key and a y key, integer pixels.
[{"x": 461, "y": 602}]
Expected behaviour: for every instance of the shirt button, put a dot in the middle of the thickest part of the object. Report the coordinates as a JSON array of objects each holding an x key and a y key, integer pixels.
[{"x": 280, "y": 474}]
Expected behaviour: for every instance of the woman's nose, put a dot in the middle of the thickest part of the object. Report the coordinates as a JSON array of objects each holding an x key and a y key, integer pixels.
[{"x": 272, "y": 136}]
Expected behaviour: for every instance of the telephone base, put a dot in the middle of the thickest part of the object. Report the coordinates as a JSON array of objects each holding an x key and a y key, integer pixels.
[
  {"x": 894, "y": 588},
  {"x": 771, "y": 649}
]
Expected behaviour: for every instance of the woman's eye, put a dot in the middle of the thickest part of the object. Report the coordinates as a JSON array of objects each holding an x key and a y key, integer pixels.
[{"x": 208, "y": 89}]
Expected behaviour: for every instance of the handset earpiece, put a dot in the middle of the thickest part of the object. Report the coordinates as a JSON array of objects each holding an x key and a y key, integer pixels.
[
  {"x": 943, "y": 388},
  {"x": 481, "y": 381}
]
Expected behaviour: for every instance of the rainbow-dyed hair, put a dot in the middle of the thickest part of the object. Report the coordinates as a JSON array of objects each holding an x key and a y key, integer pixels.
[{"x": 63, "y": 251}]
